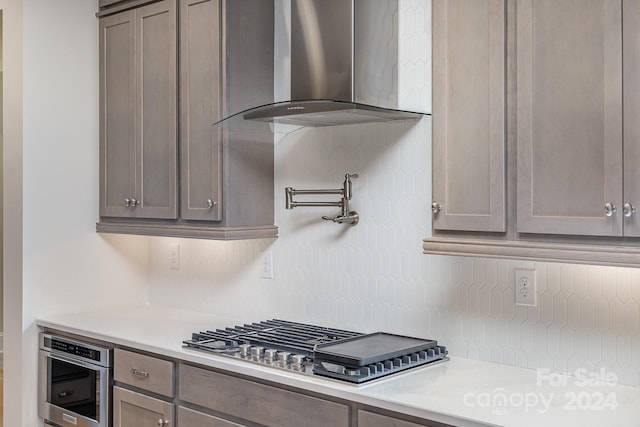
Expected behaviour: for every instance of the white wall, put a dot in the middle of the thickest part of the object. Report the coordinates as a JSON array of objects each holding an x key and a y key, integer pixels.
[{"x": 66, "y": 266}]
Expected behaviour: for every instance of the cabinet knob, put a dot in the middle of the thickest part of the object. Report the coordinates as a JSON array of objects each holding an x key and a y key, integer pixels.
[
  {"x": 211, "y": 203},
  {"x": 628, "y": 209},
  {"x": 134, "y": 202},
  {"x": 610, "y": 209},
  {"x": 162, "y": 422},
  {"x": 127, "y": 202},
  {"x": 436, "y": 207}
]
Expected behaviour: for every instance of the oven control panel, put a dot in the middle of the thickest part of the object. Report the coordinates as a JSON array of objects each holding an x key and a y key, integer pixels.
[{"x": 75, "y": 349}]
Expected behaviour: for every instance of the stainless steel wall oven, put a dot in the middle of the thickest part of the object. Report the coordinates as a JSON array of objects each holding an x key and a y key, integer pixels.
[{"x": 74, "y": 382}]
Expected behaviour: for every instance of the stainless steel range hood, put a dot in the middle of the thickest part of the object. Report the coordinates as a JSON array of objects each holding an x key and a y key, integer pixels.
[{"x": 342, "y": 62}]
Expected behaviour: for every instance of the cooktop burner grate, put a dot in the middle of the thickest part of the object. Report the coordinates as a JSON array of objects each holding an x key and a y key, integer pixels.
[{"x": 277, "y": 334}]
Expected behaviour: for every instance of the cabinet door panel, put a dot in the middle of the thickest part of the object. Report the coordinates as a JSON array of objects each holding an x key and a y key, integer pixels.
[
  {"x": 131, "y": 409},
  {"x": 569, "y": 116},
  {"x": 631, "y": 79},
  {"x": 200, "y": 107},
  {"x": 469, "y": 114},
  {"x": 117, "y": 113},
  {"x": 156, "y": 138}
]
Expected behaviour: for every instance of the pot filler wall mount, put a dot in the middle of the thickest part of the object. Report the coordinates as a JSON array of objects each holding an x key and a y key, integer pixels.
[{"x": 346, "y": 216}]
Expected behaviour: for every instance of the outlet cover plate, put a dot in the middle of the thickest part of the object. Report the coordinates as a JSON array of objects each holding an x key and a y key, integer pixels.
[
  {"x": 266, "y": 268},
  {"x": 525, "y": 289}
]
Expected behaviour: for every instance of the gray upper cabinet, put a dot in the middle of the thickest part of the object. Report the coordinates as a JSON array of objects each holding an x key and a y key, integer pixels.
[
  {"x": 631, "y": 124},
  {"x": 200, "y": 106},
  {"x": 226, "y": 66},
  {"x": 569, "y": 117},
  {"x": 220, "y": 186},
  {"x": 138, "y": 113},
  {"x": 469, "y": 115},
  {"x": 570, "y": 141},
  {"x": 117, "y": 113}
]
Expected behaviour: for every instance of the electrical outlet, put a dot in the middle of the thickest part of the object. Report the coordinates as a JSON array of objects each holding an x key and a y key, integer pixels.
[
  {"x": 266, "y": 268},
  {"x": 174, "y": 256},
  {"x": 525, "y": 287}
]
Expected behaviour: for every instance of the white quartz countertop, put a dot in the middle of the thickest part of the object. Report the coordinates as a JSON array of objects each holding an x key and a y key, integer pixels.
[{"x": 460, "y": 392}]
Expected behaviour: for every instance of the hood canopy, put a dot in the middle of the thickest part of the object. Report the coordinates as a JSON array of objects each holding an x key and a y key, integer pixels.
[{"x": 341, "y": 62}]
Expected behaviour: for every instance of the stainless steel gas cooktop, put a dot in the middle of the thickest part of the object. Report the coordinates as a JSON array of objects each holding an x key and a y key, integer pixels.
[{"x": 316, "y": 350}]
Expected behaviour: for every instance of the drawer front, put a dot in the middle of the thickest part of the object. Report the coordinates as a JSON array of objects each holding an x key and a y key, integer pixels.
[
  {"x": 258, "y": 403},
  {"x": 190, "y": 418},
  {"x": 145, "y": 372},
  {"x": 371, "y": 419}
]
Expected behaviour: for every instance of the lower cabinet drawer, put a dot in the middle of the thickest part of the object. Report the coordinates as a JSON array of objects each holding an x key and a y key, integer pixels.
[
  {"x": 190, "y": 418},
  {"x": 371, "y": 419},
  {"x": 258, "y": 403},
  {"x": 145, "y": 372}
]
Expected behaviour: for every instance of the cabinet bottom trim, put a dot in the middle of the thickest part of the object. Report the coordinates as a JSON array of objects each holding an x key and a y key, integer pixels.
[
  {"x": 187, "y": 231},
  {"x": 622, "y": 256}
]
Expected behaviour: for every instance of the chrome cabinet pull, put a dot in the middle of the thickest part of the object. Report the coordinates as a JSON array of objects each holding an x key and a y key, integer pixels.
[
  {"x": 610, "y": 209},
  {"x": 162, "y": 422},
  {"x": 436, "y": 207},
  {"x": 628, "y": 210},
  {"x": 135, "y": 202},
  {"x": 211, "y": 203},
  {"x": 127, "y": 202},
  {"x": 140, "y": 374}
]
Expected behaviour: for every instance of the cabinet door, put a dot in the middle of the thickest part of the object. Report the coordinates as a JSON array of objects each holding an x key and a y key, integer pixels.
[
  {"x": 156, "y": 104},
  {"x": 117, "y": 113},
  {"x": 469, "y": 114},
  {"x": 131, "y": 409},
  {"x": 631, "y": 79},
  {"x": 569, "y": 116},
  {"x": 200, "y": 107}
]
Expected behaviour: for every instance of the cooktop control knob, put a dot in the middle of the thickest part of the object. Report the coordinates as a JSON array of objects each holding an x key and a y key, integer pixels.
[
  {"x": 297, "y": 359},
  {"x": 283, "y": 356},
  {"x": 257, "y": 351},
  {"x": 244, "y": 349},
  {"x": 270, "y": 354}
]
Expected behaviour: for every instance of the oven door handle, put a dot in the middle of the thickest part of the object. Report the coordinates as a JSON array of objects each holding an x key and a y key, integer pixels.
[
  {"x": 65, "y": 393},
  {"x": 74, "y": 361}
]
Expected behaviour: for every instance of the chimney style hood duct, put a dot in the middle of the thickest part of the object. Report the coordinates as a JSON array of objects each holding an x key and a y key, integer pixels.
[{"x": 342, "y": 62}]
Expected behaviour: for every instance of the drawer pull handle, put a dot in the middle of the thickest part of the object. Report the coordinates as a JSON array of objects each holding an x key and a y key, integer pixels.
[
  {"x": 140, "y": 374},
  {"x": 162, "y": 422}
]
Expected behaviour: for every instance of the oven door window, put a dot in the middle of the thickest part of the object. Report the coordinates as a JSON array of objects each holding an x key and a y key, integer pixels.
[{"x": 73, "y": 388}]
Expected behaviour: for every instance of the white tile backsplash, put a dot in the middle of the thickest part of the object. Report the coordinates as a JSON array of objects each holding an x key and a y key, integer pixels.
[{"x": 374, "y": 276}]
